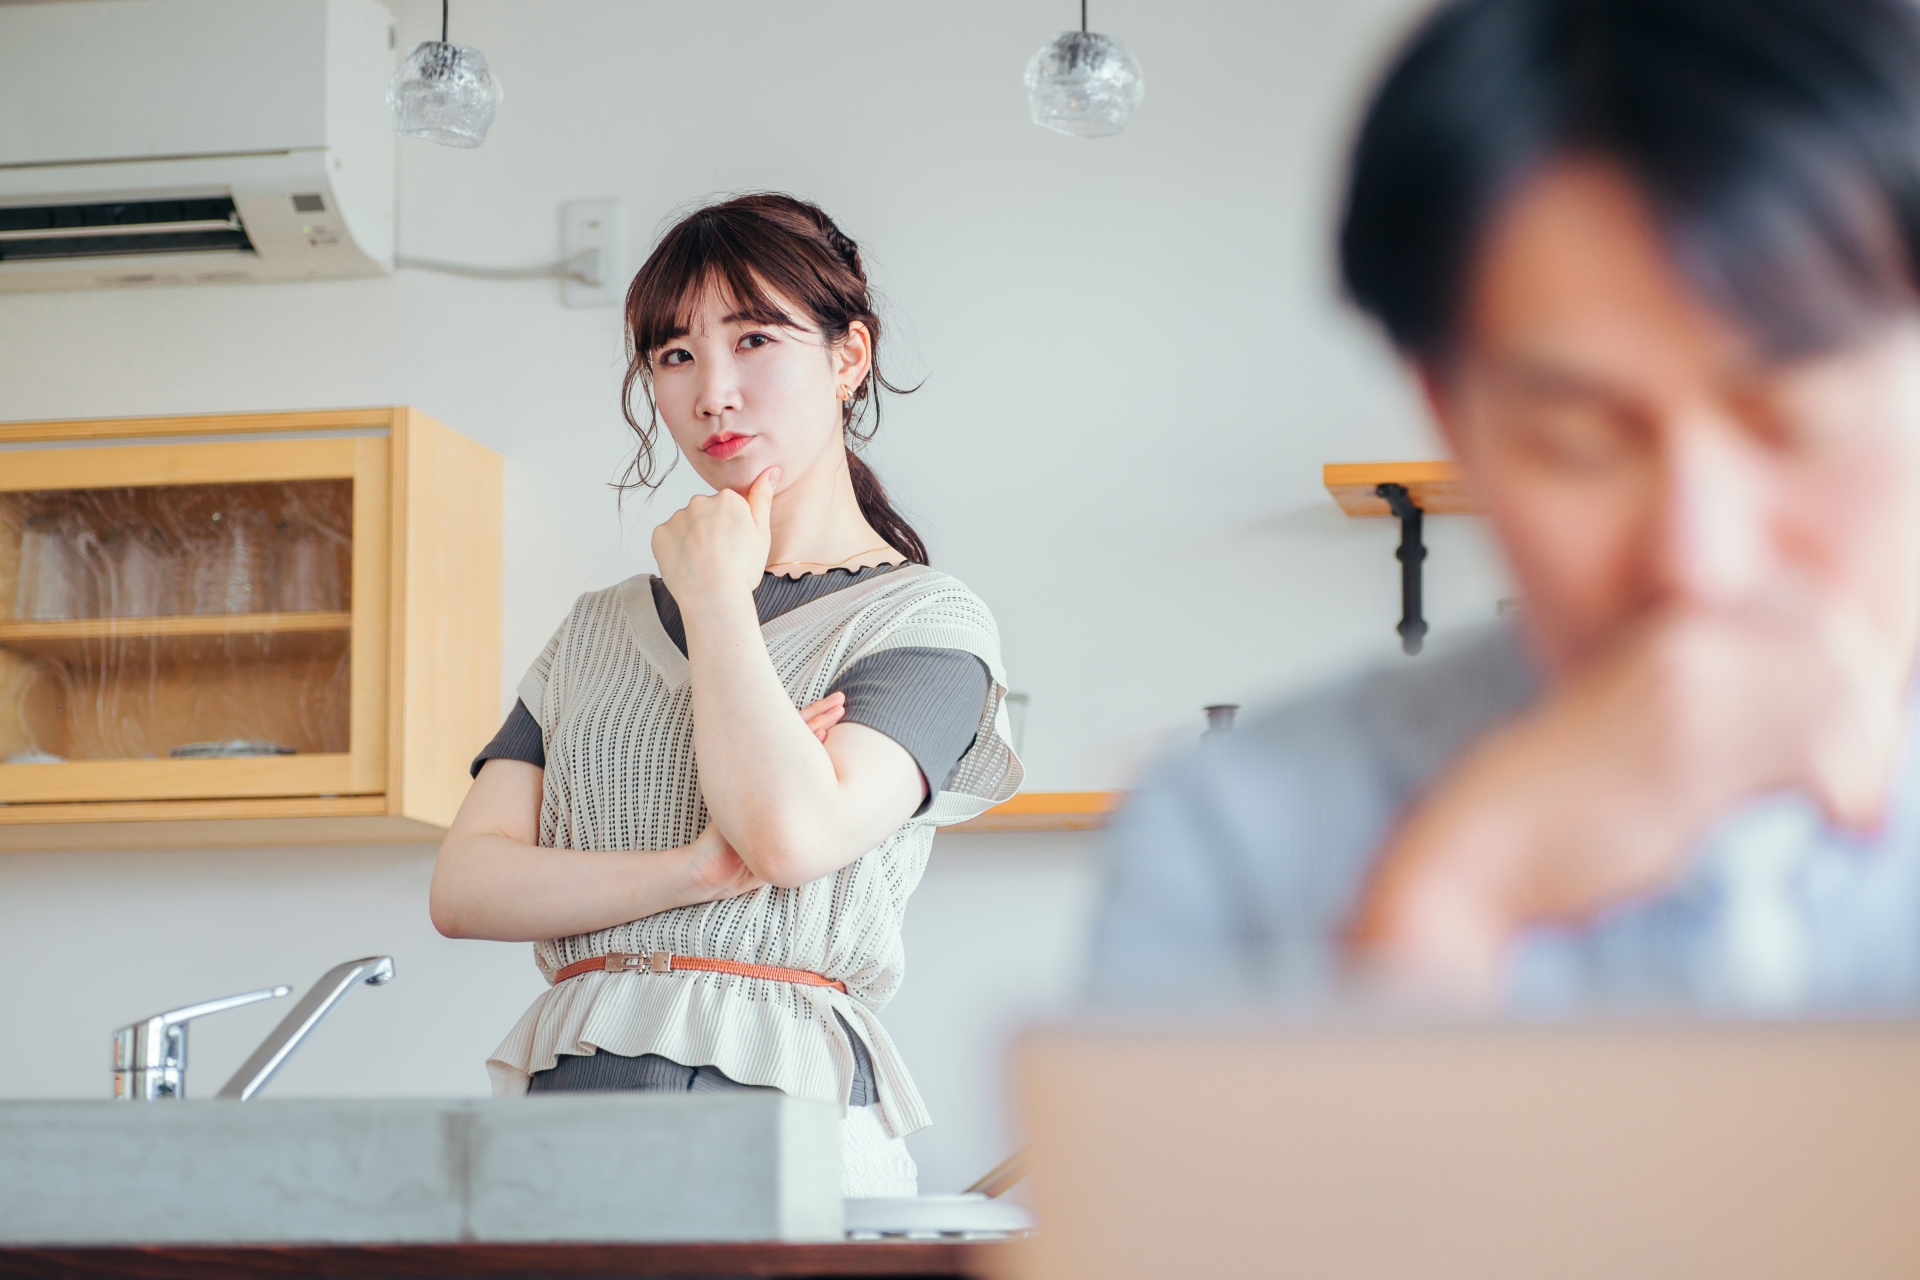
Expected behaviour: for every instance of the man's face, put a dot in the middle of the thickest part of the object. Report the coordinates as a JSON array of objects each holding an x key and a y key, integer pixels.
[{"x": 1637, "y": 455}]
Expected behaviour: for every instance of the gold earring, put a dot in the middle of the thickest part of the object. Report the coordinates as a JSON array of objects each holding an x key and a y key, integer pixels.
[{"x": 846, "y": 396}]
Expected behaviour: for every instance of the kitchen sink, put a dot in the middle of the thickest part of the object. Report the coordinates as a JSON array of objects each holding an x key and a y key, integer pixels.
[{"x": 584, "y": 1167}]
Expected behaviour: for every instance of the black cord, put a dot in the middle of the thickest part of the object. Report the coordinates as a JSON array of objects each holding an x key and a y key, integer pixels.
[
  {"x": 1083, "y": 16},
  {"x": 443, "y": 18}
]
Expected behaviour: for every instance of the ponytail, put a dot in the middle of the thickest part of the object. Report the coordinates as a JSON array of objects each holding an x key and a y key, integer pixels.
[{"x": 879, "y": 512}]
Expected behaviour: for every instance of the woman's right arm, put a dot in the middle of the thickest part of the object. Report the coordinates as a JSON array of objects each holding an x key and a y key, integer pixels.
[{"x": 493, "y": 879}]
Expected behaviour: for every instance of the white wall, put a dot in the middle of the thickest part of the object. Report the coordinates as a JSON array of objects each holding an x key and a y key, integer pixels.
[{"x": 1135, "y": 365}]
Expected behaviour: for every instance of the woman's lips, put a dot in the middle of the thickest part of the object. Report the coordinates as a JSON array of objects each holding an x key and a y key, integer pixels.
[{"x": 725, "y": 445}]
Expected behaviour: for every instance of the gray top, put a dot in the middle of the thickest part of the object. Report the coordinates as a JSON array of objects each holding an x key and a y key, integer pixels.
[
  {"x": 1232, "y": 870},
  {"x": 927, "y": 700}
]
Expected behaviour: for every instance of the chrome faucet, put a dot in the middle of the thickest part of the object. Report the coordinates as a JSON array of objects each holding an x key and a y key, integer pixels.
[
  {"x": 150, "y": 1057},
  {"x": 375, "y": 971}
]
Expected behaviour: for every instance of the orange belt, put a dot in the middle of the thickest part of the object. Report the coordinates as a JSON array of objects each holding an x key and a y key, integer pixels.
[{"x": 667, "y": 962}]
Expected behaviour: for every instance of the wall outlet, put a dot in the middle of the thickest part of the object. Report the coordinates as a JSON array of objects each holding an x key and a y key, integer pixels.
[{"x": 593, "y": 237}]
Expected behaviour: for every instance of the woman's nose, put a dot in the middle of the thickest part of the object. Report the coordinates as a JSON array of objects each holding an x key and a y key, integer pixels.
[
  {"x": 1710, "y": 544},
  {"x": 718, "y": 391}
]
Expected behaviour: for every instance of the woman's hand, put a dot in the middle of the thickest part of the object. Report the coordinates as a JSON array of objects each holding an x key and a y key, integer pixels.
[
  {"x": 824, "y": 714},
  {"x": 715, "y": 871},
  {"x": 717, "y": 545}
]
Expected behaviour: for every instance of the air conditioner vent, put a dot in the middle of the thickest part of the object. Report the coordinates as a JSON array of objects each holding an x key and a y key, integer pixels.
[{"x": 201, "y": 225}]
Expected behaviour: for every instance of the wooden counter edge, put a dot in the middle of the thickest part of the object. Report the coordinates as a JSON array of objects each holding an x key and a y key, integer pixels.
[{"x": 959, "y": 1259}]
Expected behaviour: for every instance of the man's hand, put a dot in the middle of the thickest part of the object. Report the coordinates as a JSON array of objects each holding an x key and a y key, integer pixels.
[{"x": 1599, "y": 795}]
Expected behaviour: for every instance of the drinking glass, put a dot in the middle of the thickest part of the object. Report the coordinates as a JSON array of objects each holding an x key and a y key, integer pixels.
[
  {"x": 206, "y": 570},
  {"x": 244, "y": 587},
  {"x": 54, "y": 574},
  {"x": 142, "y": 580},
  {"x": 306, "y": 576}
]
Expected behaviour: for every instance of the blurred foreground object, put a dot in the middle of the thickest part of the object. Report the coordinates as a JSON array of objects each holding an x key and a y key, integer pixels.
[
  {"x": 1744, "y": 1152},
  {"x": 444, "y": 92},
  {"x": 1084, "y": 84}
]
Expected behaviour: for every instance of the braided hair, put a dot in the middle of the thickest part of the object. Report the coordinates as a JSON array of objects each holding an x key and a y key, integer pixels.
[{"x": 754, "y": 247}]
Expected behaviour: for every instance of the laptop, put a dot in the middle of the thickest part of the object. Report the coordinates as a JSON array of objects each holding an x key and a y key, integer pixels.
[{"x": 1698, "y": 1150}]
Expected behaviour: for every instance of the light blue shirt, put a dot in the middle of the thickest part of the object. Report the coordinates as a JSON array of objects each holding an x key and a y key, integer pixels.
[{"x": 1231, "y": 872}]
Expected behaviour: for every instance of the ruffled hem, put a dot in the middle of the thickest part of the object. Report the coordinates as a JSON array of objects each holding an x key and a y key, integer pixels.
[{"x": 739, "y": 1025}]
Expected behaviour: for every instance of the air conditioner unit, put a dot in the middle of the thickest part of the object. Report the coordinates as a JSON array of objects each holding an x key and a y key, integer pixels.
[{"x": 148, "y": 142}]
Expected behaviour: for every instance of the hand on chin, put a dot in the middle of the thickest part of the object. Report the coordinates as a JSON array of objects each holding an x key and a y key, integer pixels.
[{"x": 716, "y": 546}]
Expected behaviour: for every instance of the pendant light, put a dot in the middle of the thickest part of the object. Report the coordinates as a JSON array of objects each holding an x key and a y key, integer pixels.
[
  {"x": 444, "y": 93},
  {"x": 1084, "y": 84}
]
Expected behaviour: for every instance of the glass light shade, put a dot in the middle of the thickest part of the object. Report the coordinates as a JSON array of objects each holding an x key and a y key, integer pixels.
[
  {"x": 445, "y": 94},
  {"x": 1084, "y": 84}
]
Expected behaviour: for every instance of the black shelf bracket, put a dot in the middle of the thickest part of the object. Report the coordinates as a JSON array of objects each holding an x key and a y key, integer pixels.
[{"x": 1413, "y": 627}]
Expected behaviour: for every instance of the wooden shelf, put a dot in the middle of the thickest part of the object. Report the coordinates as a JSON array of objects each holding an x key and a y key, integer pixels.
[
  {"x": 1436, "y": 487},
  {"x": 1048, "y": 811},
  {"x": 39, "y": 631}
]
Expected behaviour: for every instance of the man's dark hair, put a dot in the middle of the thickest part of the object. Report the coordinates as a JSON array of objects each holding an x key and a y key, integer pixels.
[{"x": 1775, "y": 142}]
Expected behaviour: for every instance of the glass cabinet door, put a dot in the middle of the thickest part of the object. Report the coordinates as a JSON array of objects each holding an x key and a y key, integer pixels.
[{"x": 194, "y": 634}]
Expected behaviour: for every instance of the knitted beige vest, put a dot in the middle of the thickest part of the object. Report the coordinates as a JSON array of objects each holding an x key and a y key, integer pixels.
[{"x": 613, "y": 697}]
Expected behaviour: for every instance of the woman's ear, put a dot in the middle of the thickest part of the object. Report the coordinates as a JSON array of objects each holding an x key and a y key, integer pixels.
[{"x": 853, "y": 355}]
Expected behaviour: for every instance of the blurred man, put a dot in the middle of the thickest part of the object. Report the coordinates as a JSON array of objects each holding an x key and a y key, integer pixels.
[{"x": 1654, "y": 264}]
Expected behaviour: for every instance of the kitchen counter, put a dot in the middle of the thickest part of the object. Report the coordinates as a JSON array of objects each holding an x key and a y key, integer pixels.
[
  {"x": 963, "y": 1260},
  {"x": 616, "y": 1169}
]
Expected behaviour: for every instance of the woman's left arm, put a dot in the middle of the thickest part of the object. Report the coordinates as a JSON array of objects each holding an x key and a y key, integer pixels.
[{"x": 795, "y": 809}]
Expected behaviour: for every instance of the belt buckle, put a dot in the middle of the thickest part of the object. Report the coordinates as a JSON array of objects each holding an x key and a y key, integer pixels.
[{"x": 651, "y": 962}]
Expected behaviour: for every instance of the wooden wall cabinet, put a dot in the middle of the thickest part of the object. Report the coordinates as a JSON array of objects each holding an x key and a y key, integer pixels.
[{"x": 245, "y": 629}]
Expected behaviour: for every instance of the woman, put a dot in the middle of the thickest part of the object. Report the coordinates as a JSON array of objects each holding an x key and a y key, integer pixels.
[{"x": 714, "y": 882}]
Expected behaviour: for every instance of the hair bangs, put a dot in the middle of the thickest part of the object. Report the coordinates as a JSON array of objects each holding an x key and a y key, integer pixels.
[{"x": 664, "y": 302}]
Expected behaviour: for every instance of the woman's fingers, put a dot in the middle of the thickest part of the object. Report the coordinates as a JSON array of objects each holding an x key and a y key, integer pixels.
[
  {"x": 760, "y": 496},
  {"x": 823, "y": 715},
  {"x": 718, "y": 871},
  {"x": 717, "y": 543}
]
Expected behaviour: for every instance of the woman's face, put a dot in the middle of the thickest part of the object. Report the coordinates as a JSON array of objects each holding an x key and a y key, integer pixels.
[
  {"x": 739, "y": 396},
  {"x": 1637, "y": 454}
]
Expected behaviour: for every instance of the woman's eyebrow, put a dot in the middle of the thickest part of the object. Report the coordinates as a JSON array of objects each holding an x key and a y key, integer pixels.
[{"x": 759, "y": 317}]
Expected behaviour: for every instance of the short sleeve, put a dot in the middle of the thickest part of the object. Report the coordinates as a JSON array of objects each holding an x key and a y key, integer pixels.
[
  {"x": 519, "y": 739},
  {"x": 929, "y": 700}
]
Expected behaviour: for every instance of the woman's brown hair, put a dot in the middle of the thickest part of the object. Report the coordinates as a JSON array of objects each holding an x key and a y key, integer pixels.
[{"x": 753, "y": 247}]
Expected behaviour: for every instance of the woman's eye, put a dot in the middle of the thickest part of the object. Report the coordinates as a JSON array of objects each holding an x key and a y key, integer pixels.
[
  {"x": 753, "y": 340},
  {"x": 675, "y": 356}
]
